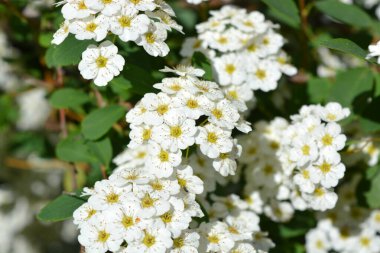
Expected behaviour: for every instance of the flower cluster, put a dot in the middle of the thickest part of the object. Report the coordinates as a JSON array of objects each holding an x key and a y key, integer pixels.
[
  {"x": 294, "y": 165},
  {"x": 148, "y": 202},
  {"x": 245, "y": 51},
  {"x": 144, "y": 22},
  {"x": 365, "y": 149},
  {"x": 348, "y": 228}
]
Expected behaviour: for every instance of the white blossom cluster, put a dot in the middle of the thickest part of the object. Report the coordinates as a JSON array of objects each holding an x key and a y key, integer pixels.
[
  {"x": 149, "y": 202},
  {"x": 348, "y": 228},
  {"x": 364, "y": 150},
  {"x": 294, "y": 165},
  {"x": 145, "y": 22},
  {"x": 244, "y": 49}
]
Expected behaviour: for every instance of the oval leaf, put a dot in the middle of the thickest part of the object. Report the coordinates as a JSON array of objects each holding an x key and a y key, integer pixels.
[
  {"x": 345, "y": 46},
  {"x": 68, "y": 98},
  {"x": 62, "y": 208},
  {"x": 99, "y": 122}
]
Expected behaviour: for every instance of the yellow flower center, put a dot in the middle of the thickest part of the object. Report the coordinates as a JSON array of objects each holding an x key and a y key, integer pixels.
[
  {"x": 90, "y": 213},
  {"x": 248, "y": 23},
  {"x": 125, "y": 21},
  {"x": 331, "y": 116},
  {"x": 127, "y": 221},
  {"x": 268, "y": 170},
  {"x": 233, "y": 94},
  {"x": 233, "y": 230},
  {"x": 147, "y": 201},
  {"x": 182, "y": 182},
  {"x": 82, "y": 5},
  {"x": 167, "y": 217},
  {"x": 176, "y": 87},
  {"x": 141, "y": 155},
  {"x": 178, "y": 243},
  {"x": 103, "y": 236},
  {"x": 319, "y": 244},
  {"x": 305, "y": 150},
  {"x": 156, "y": 185},
  {"x": 149, "y": 240},
  {"x": 365, "y": 241},
  {"x": 319, "y": 192},
  {"x": 175, "y": 131},
  {"x": 147, "y": 133},
  {"x": 223, "y": 156},
  {"x": 327, "y": 140},
  {"x": 217, "y": 113},
  {"x": 222, "y": 40},
  {"x": 213, "y": 239},
  {"x": 212, "y": 137},
  {"x": 325, "y": 167},
  {"x": 101, "y": 62},
  {"x": 306, "y": 174},
  {"x": 150, "y": 38},
  {"x": 91, "y": 27},
  {"x": 261, "y": 74},
  {"x": 266, "y": 41},
  {"x": 107, "y": 1},
  {"x": 252, "y": 48},
  {"x": 112, "y": 198},
  {"x": 197, "y": 44},
  {"x": 162, "y": 109},
  {"x": 192, "y": 104},
  {"x": 230, "y": 69},
  {"x": 163, "y": 156}
]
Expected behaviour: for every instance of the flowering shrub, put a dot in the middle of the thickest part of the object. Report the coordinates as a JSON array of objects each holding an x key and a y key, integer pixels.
[{"x": 190, "y": 126}]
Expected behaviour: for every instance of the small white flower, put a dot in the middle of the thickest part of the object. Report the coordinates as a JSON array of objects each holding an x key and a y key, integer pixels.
[
  {"x": 327, "y": 170},
  {"x": 188, "y": 181},
  {"x": 153, "y": 41},
  {"x": 90, "y": 28},
  {"x": 142, "y": 5},
  {"x": 163, "y": 161},
  {"x": 62, "y": 33},
  {"x": 223, "y": 114},
  {"x": 226, "y": 164},
  {"x": 302, "y": 179},
  {"x": 108, "y": 7},
  {"x": 190, "y": 105},
  {"x": 83, "y": 214},
  {"x": 331, "y": 138},
  {"x": 158, "y": 107},
  {"x": 177, "y": 132},
  {"x": 264, "y": 76},
  {"x": 187, "y": 242},
  {"x": 173, "y": 86},
  {"x": 229, "y": 69},
  {"x": 101, "y": 63},
  {"x": 129, "y": 25},
  {"x": 317, "y": 241},
  {"x": 213, "y": 140},
  {"x": 333, "y": 112},
  {"x": 322, "y": 199},
  {"x": 215, "y": 237},
  {"x": 76, "y": 9}
]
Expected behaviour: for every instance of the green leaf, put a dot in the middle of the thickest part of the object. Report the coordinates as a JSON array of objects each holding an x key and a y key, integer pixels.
[
  {"x": 68, "y": 98},
  {"x": 285, "y": 10},
  {"x": 102, "y": 149},
  {"x": 199, "y": 60},
  {"x": 66, "y": 54},
  {"x": 100, "y": 121},
  {"x": 372, "y": 195},
  {"x": 141, "y": 80},
  {"x": 122, "y": 87},
  {"x": 62, "y": 208},
  {"x": 318, "y": 89},
  {"x": 72, "y": 150},
  {"x": 350, "y": 84},
  {"x": 346, "y": 13},
  {"x": 345, "y": 46}
]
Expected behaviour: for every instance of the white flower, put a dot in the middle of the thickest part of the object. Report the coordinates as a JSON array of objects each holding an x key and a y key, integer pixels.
[
  {"x": 76, "y": 9},
  {"x": 225, "y": 164},
  {"x": 243, "y": 248},
  {"x": 129, "y": 25},
  {"x": 215, "y": 237},
  {"x": 163, "y": 161},
  {"x": 374, "y": 51},
  {"x": 126, "y": 221},
  {"x": 317, "y": 241},
  {"x": 305, "y": 150},
  {"x": 156, "y": 238},
  {"x": 173, "y": 86},
  {"x": 188, "y": 181},
  {"x": 90, "y": 28},
  {"x": 158, "y": 106},
  {"x": 264, "y": 75},
  {"x": 142, "y": 5},
  {"x": 163, "y": 188},
  {"x": 83, "y": 214},
  {"x": 223, "y": 114},
  {"x": 108, "y": 7},
  {"x": 229, "y": 69},
  {"x": 153, "y": 41},
  {"x": 98, "y": 237},
  {"x": 331, "y": 138},
  {"x": 322, "y": 199},
  {"x": 209, "y": 89},
  {"x": 177, "y": 132},
  {"x": 107, "y": 195},
  {"x": 149, "y": 205},
  {"x": 61, "y": 34},
  {"x": 101, "y": 63},
  {"x": 333, "y": 112},
  {"x": 190, "y": 105},
  {"x": 166, "y": 20},
  {"x": 366, "y": 241},
  {"x": 327, "y": 170},
  {"x": 280, "y": 211},
  {"x": 187, "y": 242},
  {"x": 184, "y": 71},
  {"x": 255, "y": 203},
  {"x": 140, "y": 135},
  {"x": 130, "y": 175},
  {"x": 213, "y": 140},
  {"x": 303, "y": 180},
  {"x": 176, "y": 221},
  {"x": 138, "y": 114}
]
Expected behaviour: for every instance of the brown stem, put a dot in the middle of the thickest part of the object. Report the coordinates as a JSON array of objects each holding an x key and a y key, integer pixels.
[{"x": 99, "y": 98}]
